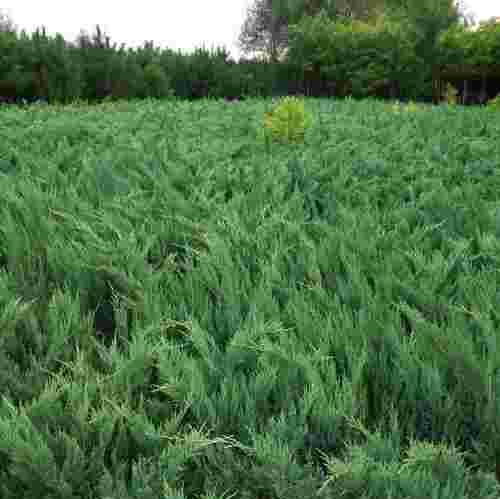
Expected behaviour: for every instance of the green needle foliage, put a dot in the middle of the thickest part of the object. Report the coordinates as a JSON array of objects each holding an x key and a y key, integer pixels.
[{"x": 189, "y": 312}]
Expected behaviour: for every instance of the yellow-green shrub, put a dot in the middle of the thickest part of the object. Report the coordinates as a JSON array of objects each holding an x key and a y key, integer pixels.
[
  {"x": 288, "y": 121},
  {"x": 450, "y": 94},
  {"x": 494, "y": 104}
]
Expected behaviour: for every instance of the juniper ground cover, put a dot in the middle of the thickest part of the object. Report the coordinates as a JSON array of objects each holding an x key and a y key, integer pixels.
[{"x": 189, "y": 310}]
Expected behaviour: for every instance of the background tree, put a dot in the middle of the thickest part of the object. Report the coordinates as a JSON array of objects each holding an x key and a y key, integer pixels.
[
  {"x": 8, "y": 43},
  {"x": 265, "y": 29},
  {"x": 6, "y": 24},
  {"x": 423, "y": 22}
]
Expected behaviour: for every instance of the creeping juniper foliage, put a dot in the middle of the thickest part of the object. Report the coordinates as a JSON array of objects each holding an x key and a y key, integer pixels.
[{"x": 187, "y": 311}]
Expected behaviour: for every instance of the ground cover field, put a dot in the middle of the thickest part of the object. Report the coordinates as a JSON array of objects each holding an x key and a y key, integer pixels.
[{"x": 190, "y": 311}]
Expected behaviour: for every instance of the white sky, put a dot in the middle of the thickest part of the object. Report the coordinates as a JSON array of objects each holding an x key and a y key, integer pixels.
[
  {"x": 183, "y": 25},
  {"x": 482, "y": 9}
]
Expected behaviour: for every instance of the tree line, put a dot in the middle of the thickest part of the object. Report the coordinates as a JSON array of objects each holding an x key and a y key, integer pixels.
[
  {"x": 91, "y": 68},
  {"x": 266, "y": 27}
]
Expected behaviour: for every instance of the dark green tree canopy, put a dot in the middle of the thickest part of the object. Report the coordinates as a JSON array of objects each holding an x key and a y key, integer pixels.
[{"x": 266, "y": 28}]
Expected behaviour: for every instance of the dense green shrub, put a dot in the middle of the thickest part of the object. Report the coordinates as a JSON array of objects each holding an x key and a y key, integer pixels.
[
  {"x": 326, "y": 56},
  {"x": 355, "y": 54}
]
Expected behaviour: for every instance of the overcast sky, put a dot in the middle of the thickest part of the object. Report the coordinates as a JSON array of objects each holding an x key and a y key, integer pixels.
[{"x": 183, "y": 25}]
